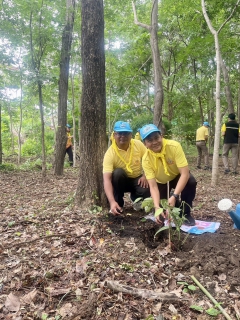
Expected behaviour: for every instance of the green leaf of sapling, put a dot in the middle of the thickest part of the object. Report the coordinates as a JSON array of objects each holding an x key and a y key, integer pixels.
[{"x": 158, "y": 212}]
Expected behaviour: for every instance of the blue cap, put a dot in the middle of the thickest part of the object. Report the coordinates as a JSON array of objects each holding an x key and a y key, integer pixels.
[
  {"x": 147, "y": 130},
  {"x": 206, "y": 124},
  {"x": 68, "y": 126},
  {"x": 121, "y": 126}
]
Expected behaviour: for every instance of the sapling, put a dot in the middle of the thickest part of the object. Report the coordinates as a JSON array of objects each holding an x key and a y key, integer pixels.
[{"x": 172, "y": 213}]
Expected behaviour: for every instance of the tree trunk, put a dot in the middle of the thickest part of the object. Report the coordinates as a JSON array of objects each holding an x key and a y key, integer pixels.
[
  {"x": 157, "y": 68},
  {"x": 93, "y": 106},
  {"x": 218, "y": 78},
  {"x": 227, "y": 88},
  {"x": 0, "y": 133},
  {"x": 61, "y": 137},
  {"x": 44, "y": 170}
]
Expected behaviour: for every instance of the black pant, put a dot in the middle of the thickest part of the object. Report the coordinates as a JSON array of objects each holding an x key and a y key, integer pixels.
[
  {"x": 70, "y": 155},
  {"x": 187, "y": 195},
  {"x": 122, "y": 183}
]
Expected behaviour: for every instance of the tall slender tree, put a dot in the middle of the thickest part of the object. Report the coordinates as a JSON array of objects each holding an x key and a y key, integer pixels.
[
  {"x": 61, "y": 137},
  {"x": 93, "y": 142},
  {"x": 158, "y": 85}
]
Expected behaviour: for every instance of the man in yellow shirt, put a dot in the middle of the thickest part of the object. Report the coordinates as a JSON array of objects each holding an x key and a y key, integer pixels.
[
  {"x": 201, "y": 144},
  {"x": 165, "y": 162},
  {"x": 122, "y": 168},
  {"x": 137, "y": 135},
  {"x": 69, "y": 145}
]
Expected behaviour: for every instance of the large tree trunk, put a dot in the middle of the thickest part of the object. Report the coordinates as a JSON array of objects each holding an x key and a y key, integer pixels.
[
  {"x": 61, "y": 137},
  {"x": 93, "y": 106},
  {"x": 157, "y": 68}
]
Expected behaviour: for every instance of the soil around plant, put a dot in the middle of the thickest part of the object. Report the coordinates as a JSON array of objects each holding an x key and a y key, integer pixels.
[{"x": 57, "y": 260}]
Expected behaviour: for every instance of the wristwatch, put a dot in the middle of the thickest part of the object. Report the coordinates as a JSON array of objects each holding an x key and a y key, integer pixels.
[{"x": 176, "y": 196}]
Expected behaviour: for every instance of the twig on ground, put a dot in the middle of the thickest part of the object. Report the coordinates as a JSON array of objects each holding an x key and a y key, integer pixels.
[
  {"x": 143, "y": 293},
  {"x": 57, "y": 235},
  {"x": 216, "y": 304}
]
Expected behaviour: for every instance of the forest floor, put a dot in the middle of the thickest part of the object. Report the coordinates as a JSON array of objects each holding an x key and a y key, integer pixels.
[{"x": 59, "y": 261}]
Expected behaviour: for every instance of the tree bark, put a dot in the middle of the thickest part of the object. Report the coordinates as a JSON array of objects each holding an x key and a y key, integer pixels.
[
  {"x": 61, "y": 137},
  {"x": 93, "y": 106},
  {"x": 227, "y": 88},
  {"x": 215, "y": 33},
  {"x": 0, "y": 133},
  {"x": 157, "y": 68}
]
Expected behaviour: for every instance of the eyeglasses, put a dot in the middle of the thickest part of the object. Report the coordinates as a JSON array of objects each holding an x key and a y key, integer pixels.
[{"x": 123, "y": 133}]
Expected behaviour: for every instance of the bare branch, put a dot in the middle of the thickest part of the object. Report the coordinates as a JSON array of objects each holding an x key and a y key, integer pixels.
[
  {"x": 143, "y": 25},
  {"x": 230, "y": 16}
]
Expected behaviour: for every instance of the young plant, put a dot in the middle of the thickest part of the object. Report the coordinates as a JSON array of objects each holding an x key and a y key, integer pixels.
[{"x": 173, "y": 216}]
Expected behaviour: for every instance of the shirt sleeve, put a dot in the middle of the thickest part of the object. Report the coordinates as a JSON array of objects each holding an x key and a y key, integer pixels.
[
  {"x": 223, "y": 128},
  {"x": 108, "y": 162},
  {"x": 180, "y": 157},
  {"x": 148, "y": 169}
]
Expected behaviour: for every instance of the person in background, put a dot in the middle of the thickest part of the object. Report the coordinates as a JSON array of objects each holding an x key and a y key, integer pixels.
[
  {"x": 69, "y": 145},
  {"x": 165, "y": 162},
  {"x": 122, "y": 168},
  {"x": 230, "y": 132},
  {"x": 201, "y": 143},
  {"x": 137, "y": 135}
]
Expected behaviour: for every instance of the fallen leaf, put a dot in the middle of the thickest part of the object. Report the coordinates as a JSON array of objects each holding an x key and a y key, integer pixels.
[
  {"x": 222, "y": 277},
  {"x": 57, "y": 292},
  {"x": 12, "y": 303},
  {"x": 29, "y": 297},
  {"x": 81, "y": 265}
]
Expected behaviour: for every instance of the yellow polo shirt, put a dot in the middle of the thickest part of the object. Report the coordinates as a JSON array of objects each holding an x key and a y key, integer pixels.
[
  {"x": 175, "y": 158},
  {"x": 137, "y": 136},
  {"x": 112, "y": 161},
  {"x": 201, "y": 133}
]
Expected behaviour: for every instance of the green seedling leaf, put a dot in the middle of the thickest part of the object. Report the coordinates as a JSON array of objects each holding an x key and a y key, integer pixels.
[
  {"x": 137, "y": 200},
  {"x": 182, "y": 283},
  {"x": 143, "y": 220},
  {"x": 18, "y": 234},
  {"x": 212, "y": 312},
  {"x": 163, "y": 228},
  {"x": 197, "y": 308},
  {"x": 185, "y": 290},
  {"x": 11, "y": 223},
  {"x": 158, "y": 212},
  {"x": 192, "y": 287}
]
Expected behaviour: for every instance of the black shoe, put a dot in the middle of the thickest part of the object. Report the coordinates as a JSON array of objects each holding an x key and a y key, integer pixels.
[
  {"x": 190, "y": 221},
  {"x": 207, "y": 168},
  {"x": 226, "y": 171},
  {"x": 198, "y": 167}
]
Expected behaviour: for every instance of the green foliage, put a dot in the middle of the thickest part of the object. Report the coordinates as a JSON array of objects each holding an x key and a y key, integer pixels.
[
  {"x": 213, "y": 312},
  {"x": 197, "y": 308},
  {"x": 7, "y": 167},
  {"x": 187, "y": 287}
]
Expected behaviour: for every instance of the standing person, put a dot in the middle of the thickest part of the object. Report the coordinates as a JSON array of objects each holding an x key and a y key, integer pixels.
[
  {"x": 230, "y": 132},
  {"x": 69, "y": 145},
  {"x": 165, "y": 162},
  {"x": 201, "y": 143},
  {"x": 122, "y": 169},
  {"x": 137, "y": 135}
]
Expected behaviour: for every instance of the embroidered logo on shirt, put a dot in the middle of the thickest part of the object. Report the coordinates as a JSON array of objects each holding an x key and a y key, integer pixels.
[{"x": 169, "y": 161}]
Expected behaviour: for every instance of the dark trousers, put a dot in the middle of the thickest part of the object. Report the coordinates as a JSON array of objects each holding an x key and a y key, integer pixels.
[
  {"x": 122, "y": 183},
  {"x": 187, "y": 195},
  {"x": 70, "y": 155}
]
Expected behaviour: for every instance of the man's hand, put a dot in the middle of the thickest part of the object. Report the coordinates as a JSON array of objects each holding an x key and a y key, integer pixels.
[
  {"x": 142, "y": 182},
  {"x": 115, "y": 208},
  {"x": 172, "y": 201},
  {"x": 160, "y": 219}
]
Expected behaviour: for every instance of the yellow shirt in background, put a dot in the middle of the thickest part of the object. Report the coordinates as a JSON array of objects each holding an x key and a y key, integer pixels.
[
  {"x": 137, "y": 136},
  {"x": 112, "y": 161},
  {"x": 69, "y": 140},
  {"x": 175, "y": 158},
  {"x": 201, "y": 133}
]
